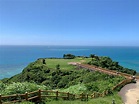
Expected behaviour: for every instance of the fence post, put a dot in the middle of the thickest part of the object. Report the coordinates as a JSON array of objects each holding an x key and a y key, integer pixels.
[
  {"x": 26, "y": 96},
  {"x": 0, "y": 99},
  {"x": 56, "y": 95},
  {"x": 68, "y": 95},
  {"x": 94, "y": 94},
  {"x": 87, "y": 97},
  {"x": 103, "y": 93},
  {"x": 106, "y": 92},
  {"x": 81, "y": 96},
  {"x": 18, "y": 97},
  {"x": 39, "y": 94},
  {"x": 74, "y": 97}
]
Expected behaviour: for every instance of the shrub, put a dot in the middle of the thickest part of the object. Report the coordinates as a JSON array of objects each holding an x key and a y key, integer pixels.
[
  {"x": 68, "y": 56},
  {"x": 20, "y": 88}
]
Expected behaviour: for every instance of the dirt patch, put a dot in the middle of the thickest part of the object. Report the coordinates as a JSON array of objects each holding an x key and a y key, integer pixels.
[{"x": 73, "y": 63}]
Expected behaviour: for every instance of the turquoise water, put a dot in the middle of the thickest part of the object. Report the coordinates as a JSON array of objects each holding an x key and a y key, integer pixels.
[{"x": 14, "y": 58}]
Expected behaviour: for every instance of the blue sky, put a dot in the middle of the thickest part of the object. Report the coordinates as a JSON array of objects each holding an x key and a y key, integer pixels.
[{"x": 69, "y": 22}]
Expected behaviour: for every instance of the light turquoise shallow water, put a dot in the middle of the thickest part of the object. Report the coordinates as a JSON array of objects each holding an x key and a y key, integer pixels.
[{"x": 14, "y": 58}]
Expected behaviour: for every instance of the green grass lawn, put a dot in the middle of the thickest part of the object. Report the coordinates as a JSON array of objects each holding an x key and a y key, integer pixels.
[{"x": 51, "y": 63}]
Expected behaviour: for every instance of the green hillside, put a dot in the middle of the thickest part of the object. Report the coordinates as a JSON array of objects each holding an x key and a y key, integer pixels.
[{"x": 58, "y": 74}]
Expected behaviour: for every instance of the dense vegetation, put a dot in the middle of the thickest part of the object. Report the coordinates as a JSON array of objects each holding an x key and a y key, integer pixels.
[
  {"x": 68, "y": 80},
  {"x": 58, "y": 74},
  {"x": 106, "y": 62},
  {"x": 19, "y": 88}
]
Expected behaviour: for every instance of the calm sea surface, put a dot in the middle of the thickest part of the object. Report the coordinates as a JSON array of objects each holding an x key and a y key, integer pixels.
[{"x": 14, "y": 58}]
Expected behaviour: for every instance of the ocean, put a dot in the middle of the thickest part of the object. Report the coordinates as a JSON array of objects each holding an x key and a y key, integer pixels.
[{"x": 13, "y": 59}]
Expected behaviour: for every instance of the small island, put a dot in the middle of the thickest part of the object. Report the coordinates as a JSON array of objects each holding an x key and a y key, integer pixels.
[{"x": 94, "y": 79}]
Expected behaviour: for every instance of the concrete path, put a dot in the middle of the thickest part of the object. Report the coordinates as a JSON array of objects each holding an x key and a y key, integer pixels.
[{"x": 130, "y": 93}]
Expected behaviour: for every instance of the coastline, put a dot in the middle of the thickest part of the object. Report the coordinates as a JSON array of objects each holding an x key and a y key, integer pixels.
[
  {"x": 12, "y": 57},
  {"x": 130, "y": 93}
]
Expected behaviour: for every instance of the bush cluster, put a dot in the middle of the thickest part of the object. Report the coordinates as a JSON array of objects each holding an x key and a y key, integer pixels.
[
  {"x": 106, "y": 62},
  {"x": 19, "y": 88}
]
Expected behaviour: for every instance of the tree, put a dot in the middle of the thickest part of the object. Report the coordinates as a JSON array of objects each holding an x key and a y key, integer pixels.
[
  {"x": 57, "y": 66},
  {"x": 92, "y": 55},
  {"x": 43, "y": 61},
  {"x": 68, "y": 56}
]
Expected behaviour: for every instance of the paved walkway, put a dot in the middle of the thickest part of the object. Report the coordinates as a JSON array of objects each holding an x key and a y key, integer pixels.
[{"x": 130, "y": 93}]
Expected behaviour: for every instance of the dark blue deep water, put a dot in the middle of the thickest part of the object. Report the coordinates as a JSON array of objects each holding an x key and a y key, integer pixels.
[{"x": 14, "y": 58}]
